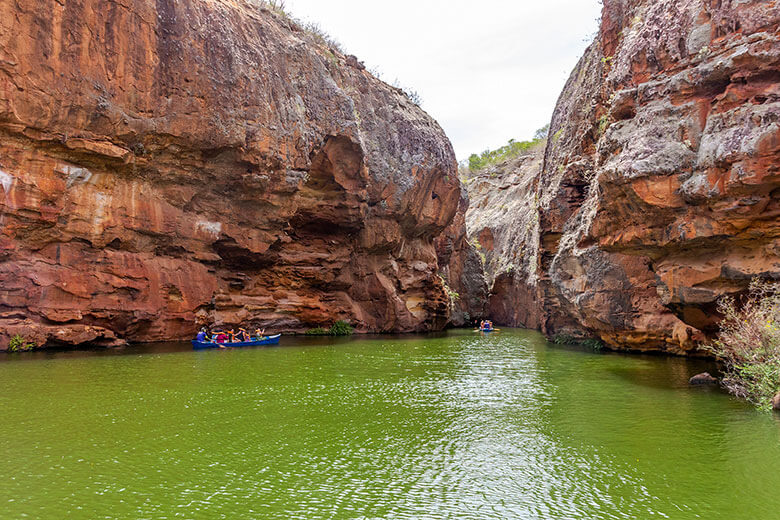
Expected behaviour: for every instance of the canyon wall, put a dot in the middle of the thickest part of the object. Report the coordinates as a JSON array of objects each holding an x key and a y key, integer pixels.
[
  {"x": 659, "y": 190},
  {"x": 171, "y": 162},
  {"x": 503, "y": 223}
]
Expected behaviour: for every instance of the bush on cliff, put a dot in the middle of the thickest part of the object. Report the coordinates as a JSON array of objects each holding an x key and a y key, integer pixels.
[
  {"x": 748, "y": 343},
  {"x": 593, "y": 344},
  {"x": 340, "y": 328},
  {"x": 18, "y": 344},
  {"x": 512, "y": 149},
  {"x": 317, "y": 331}
]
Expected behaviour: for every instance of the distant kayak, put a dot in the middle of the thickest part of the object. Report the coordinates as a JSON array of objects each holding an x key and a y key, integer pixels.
[
  {"x": 269, "y": 340},
  {"x": 486, "y": 330}
]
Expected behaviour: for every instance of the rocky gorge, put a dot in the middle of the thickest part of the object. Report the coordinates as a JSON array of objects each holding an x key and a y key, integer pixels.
[
  {"x": 657, "y": 191},
  {"x": 170, "y": 163}
]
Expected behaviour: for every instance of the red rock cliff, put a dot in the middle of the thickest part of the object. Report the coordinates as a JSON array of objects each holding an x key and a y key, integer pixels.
[
  {"x": 659, "y": 191},
  {"x": 167, "y": 161}
]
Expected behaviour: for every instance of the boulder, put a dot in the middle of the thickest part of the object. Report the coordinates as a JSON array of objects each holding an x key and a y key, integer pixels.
[{"x": 703, "y": 379}]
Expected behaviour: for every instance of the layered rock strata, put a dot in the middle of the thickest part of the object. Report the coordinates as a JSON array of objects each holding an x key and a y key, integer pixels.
[
  {"x": 166, "y": 162},
  {"x": 659, "y": 190}
]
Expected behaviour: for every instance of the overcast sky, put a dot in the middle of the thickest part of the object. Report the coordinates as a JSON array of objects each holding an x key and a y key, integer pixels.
[{"x": 487, "y": 71}]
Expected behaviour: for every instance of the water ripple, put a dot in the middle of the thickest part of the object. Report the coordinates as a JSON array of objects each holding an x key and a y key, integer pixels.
[{"x": 461, "y": 427}]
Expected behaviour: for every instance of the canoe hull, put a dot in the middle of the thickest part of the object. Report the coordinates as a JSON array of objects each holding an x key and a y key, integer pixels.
[{"x": 270, "y": 340}]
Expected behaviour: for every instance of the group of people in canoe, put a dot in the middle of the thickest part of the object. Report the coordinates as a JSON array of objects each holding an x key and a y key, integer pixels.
[
  {"x": 486, "y": 325},
  {"x": 220, "y": 336}
]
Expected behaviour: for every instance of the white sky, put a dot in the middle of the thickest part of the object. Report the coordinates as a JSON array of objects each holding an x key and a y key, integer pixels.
[{"x": 487, "y": 70}]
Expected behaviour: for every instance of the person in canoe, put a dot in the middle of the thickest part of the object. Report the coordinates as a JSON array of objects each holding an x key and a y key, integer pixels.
[
  {"x": 486, "y": 326},
  {"x": 260, "y": 334},
  {"x": 242, "y": 335},
  {"x": 219, "y": 337},
  {"x": 203, "y": 335}
]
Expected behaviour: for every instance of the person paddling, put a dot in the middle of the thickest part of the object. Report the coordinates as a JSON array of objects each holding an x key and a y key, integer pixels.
[{"x": 202, "y": 336}]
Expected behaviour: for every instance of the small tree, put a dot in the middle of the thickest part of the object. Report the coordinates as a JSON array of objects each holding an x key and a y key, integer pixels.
[{"x": 542, "y": 132}]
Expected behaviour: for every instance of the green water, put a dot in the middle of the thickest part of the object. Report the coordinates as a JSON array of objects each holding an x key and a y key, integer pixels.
[{"x": 457, "y": 426}]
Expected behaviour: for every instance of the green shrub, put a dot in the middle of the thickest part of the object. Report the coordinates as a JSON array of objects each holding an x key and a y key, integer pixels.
[
  {"x": 452, "y": 296},
  {"x": 564, "y": 339},
  {"x": 603, "y": 124},
  {"x": 748, "y": 343},
  {"x": 18, "y": 344},
  {"x": 511, "y": 149},
  {"x": 593, "y": 344},
  {"x": 317, "y": 331},
  {"x": 341, "y": 328}
]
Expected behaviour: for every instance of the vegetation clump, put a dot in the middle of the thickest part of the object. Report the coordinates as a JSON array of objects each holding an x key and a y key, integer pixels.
[
  {"x": 316, "y": 331},
  {"x": 452, "y": 295},
  {"x": 590, "y": 343},
  {"x": 18, "y": 344},
  {"x": 512, "y": 149},
  {"x": 748, "y": 343},
  {"x": 563, "y": 339},
  {"x": 340, "y": 328},
  {"x": 593, "y": 344}
]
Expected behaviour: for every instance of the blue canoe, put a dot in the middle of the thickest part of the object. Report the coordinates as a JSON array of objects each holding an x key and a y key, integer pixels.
[{"x": 268, "y": 340}]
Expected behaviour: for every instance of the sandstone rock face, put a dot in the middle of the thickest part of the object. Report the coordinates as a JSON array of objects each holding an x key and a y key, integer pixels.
[
  {"x": 166, "y": 162},
  {"x": 461, "y": 270},
  {"x": 502, "y": 221},
  {"x": 659, "y": 191}
]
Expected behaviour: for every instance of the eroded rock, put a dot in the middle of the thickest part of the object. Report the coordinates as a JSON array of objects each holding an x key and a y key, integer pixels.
[
  {"x": 659, "y": 191},
  {"x": 172, "y": 162}
]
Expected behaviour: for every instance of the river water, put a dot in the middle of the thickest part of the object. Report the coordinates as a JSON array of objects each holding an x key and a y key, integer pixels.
[{"x": 458, "y": 425}]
